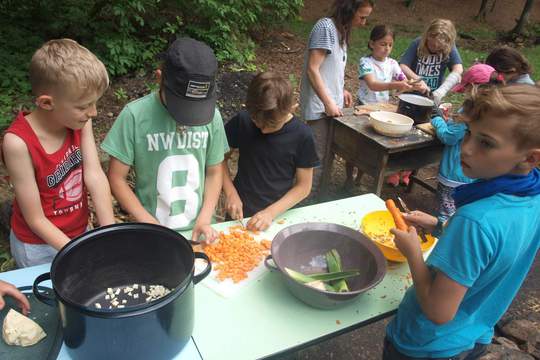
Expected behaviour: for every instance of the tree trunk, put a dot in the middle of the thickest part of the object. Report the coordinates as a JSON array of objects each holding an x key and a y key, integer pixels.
[
  {"x": 409, "y": 4},
  {"x": 482, "y": 11},
  {"x": 493, "y": 6},
  {"x": 523, "y": 19}
]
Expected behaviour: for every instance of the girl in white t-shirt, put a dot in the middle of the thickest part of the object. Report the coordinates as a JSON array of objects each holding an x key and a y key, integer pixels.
[{"x": 378, "y": 73}]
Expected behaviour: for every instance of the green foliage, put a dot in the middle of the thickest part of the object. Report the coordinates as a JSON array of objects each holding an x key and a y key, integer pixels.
[
  {"x": 294, "y": 82},
  {"x": 6, "y": 261},
  {"x": 127, "y": 35},
  {"x": 151, "y": 86},
  {"x": 226, "y": 24},
  {"x": 16, "y": 47},
  {"x": 120, "y": 94}
]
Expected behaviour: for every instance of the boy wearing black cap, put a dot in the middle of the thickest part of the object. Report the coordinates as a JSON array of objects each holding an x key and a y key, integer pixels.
[{"x": 175, "y": 141}]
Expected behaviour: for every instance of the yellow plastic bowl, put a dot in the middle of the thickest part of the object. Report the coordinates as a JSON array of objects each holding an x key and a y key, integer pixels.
[{"x": 377, "y": 224}]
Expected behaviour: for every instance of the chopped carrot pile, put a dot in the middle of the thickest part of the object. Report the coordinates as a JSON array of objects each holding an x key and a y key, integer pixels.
[
  {"x": 267, "y": 244},
  {"x": 235, "y": 254},
  {"x": 236, "y": 228}
]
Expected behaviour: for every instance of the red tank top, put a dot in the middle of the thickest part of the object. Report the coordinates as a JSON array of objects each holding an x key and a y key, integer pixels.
[{"x": 59, "y": 177}]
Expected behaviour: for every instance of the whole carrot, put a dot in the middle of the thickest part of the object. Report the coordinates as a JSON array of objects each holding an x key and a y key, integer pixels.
[{"x": 396, "y": 214}]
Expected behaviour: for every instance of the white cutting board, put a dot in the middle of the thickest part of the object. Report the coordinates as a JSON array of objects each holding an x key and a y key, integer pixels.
[{"x": 227, "y": 288}]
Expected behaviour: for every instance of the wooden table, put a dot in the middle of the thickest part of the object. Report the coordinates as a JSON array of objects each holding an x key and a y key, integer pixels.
[
  {"x": 264, "y": 319},
  {"x": 377, "y": 155}
]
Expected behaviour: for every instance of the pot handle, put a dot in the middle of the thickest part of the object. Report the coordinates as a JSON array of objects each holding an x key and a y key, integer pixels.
[
  {"x": 48, "y": 300},
  {"x": 197, "y": 278},
  {"x": 268, "y": 265}
]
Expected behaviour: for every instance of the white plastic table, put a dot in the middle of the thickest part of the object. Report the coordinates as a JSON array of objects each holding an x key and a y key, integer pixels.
[{"x": 264, "y": 319}]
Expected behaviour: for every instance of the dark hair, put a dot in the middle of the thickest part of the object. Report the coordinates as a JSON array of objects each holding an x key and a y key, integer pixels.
[
  {"x": 343, "y": 12},
  {"x": 378, "y": 32},
  {"x": 506, "y": 59},
  {"x": 269, "y": 98}
]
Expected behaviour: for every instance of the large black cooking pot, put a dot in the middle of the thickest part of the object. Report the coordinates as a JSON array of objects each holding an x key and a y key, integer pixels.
[
  {"x": 417, "y": 107},
  {"x": 117, "y": 256}
]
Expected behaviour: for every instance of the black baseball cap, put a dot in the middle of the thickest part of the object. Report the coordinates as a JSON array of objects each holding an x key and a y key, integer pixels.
[{"x": 189, "y": 86}]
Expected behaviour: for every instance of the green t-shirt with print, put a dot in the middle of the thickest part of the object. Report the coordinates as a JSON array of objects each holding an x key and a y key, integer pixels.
[{"x": 169, "y": 160}]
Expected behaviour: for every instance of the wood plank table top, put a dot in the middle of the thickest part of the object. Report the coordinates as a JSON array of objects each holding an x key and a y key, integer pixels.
[
  {"x": 416, "y": 138},
  {"x": 355, "y": 140}
]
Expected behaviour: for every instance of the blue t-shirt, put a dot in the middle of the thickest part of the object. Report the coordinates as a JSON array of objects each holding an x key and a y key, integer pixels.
[
  {"x": 451, "y": 135},
  {"x": 522, "y": 79},
  {"x": 267, "y": 162},
  {"x": 488, "y": 247},
  {"x": 430, "y": 67}
]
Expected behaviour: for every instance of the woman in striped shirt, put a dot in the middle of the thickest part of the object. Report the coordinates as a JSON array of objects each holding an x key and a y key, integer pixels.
[{"x": 322, "y": 93}]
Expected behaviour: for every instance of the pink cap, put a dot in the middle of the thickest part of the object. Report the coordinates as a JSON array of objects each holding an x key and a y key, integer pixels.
[{"x": 476, "y": 74}]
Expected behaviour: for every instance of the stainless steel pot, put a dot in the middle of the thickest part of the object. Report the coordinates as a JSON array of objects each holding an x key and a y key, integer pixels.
[{"x": 301, "y": 247}]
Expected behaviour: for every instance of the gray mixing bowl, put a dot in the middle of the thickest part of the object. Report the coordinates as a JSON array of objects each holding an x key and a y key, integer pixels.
[{"x": 301, "y": 247}]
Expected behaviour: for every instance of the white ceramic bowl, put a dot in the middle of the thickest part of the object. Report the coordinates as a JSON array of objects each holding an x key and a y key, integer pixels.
[{"x": 390, "y": 123}]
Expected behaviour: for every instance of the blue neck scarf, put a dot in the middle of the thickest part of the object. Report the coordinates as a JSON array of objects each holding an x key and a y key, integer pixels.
[{"x": 518, "y": 185}]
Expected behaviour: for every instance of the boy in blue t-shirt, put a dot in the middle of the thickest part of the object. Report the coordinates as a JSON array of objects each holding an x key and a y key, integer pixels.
[
  {"x": 277, "y": 154},
  {"x": 488, "y": 246}
]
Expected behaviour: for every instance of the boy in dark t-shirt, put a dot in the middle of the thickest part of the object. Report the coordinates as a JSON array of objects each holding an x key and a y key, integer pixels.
[{"x": 277, "y": 154}]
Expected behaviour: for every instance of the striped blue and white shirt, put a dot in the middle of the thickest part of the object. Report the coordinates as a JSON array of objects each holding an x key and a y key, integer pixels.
[{"x": 324, "y": 35}]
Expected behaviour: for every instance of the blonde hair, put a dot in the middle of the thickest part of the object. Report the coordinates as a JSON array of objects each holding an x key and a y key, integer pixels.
[
  {"x": 444, "y": 31},
  {"x": 64, "y": 65},
  {"x": 517, "y": 102}
]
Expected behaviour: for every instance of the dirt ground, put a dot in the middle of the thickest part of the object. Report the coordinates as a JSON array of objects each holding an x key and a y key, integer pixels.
[
  {"x": 461, "y": 12},
  {"x": 281, "y": 51}
]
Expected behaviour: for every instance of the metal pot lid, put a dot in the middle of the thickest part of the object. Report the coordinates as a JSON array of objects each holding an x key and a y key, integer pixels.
[{"x": 416, "y": 100}]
